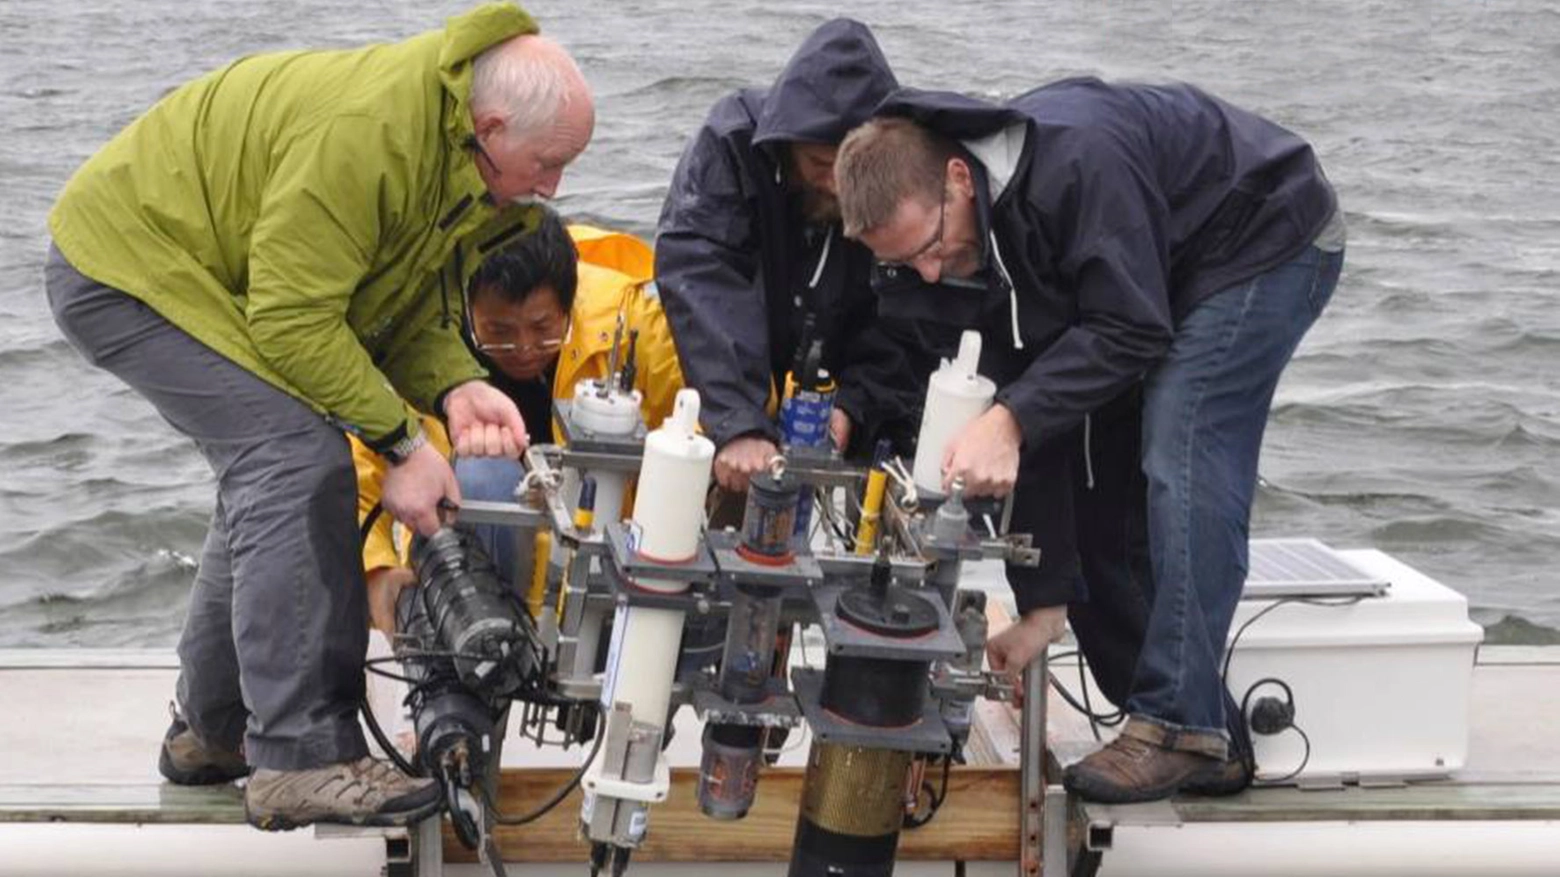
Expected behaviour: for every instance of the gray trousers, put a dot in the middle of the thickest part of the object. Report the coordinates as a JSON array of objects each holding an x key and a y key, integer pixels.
[{"x": 272, "y": 649}]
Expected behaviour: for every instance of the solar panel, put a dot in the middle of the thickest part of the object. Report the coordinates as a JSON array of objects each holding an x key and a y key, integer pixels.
[{"x": 1305, "y": 568}]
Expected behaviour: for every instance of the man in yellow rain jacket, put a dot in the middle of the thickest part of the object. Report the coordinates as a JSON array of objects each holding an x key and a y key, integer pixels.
[
  {"x": 542, "y": 313},
  {"x": 251, "y": 256}
]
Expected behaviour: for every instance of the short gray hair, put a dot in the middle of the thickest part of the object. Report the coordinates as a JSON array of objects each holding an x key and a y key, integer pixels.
[
  {"x": 883, "y": 162},
  {"x": 527, "y": 89}
]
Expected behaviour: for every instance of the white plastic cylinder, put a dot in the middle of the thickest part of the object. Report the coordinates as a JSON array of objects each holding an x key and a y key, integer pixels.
[
  {"x": 673, "y": 480},
  {"x": 614, "y": 414},
  {"x": 955, "y": 395},
  {"x": 668, "y": 513},
  {"x": 642, "y": 662}
]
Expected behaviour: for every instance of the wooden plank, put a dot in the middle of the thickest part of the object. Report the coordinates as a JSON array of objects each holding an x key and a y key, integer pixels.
[
  {"x": 977, "y": 822},
  {"x": 1419, "y": 802},
  {"x": 122, "y": 803}
]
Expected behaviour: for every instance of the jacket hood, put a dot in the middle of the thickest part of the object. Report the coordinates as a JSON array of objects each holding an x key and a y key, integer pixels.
[
  {"x": 831, "y": 85},
  {"x": 951, "y": 114}
]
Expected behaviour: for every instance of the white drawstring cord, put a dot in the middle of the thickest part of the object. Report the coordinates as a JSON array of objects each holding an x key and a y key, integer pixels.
[
  {"x": 822, "y": 259},
  {"x": 1018, "y": 343},
  {"x": 1088, "y": 454}
]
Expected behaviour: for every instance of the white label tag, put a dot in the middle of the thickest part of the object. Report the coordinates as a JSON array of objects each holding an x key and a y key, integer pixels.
[{"x": 614, "y": 656}]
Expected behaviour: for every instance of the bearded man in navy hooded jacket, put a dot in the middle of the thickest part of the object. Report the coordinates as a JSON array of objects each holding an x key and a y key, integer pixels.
[
  {"x": 1114, "y": 237},
  {"x": 749, "y": 246}
]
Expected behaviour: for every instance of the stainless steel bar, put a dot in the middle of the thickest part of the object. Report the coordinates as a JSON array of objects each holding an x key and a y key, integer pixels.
[{"x": 1031, "y": 759}]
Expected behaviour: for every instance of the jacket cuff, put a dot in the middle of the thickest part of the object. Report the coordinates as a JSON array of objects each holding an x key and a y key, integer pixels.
[
  {"x": 1011, "y": 397},
  {"x": 734, "y": 425},
  {"x": 1033, "y": 590},
  {"x": 438, "y": 400}
]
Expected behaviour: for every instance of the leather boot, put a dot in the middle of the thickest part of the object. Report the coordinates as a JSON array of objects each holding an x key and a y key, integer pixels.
[
  {"x": 187, "y": 760},
  {"x": 1137, "y": 766}
]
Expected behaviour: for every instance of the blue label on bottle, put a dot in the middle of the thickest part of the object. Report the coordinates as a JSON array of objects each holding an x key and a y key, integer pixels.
[{"x": 804, "y": 418}]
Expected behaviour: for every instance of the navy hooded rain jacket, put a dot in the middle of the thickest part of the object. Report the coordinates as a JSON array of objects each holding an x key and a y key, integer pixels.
[{"x": 738, "y": 268}]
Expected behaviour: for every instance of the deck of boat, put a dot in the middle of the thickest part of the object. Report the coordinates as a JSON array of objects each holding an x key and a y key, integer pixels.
[{"x": 79, "y": 794}]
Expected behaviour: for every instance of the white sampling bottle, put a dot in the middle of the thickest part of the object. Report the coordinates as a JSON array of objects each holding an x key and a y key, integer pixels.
[
  {"x": 955, "y": 395},
  {"x": 668, "y": 515}
]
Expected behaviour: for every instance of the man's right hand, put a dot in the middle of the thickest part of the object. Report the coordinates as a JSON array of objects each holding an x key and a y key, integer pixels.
[
  {"x": 413, "y": 489},
  {"x": 741, "y": 459}
]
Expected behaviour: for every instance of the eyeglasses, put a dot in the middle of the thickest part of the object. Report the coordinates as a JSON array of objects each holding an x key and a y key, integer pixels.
[
  {"x": 933, "y": 243},
  {"x": 546, "y": 345},
  {"x": 552, "y": 332}
]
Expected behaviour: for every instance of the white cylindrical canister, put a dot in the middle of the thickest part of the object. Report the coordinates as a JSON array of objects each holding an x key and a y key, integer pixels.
[
  {"x": 642, "y": 661},
  {"x": 668, "y": 511},
  {"x": 955, "y": 395},
  {"x": 673, "y": 480},
  {"x": 615, "y": 414}
]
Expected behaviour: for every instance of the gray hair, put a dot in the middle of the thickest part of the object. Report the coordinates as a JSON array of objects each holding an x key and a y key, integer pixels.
[
  {"x": 527, "y": 89},
  {"x": 883, "y": 162}
]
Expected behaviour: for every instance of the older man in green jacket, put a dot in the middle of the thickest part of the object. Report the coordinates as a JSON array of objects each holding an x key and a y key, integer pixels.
[{"x": 252, "y": 255}]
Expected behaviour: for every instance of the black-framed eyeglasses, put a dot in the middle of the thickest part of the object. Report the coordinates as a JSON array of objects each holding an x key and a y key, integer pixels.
[{"x": 933, "y": 243}]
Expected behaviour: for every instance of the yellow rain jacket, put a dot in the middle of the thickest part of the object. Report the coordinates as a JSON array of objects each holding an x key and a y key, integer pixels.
[{"x": 615, "y": 270}]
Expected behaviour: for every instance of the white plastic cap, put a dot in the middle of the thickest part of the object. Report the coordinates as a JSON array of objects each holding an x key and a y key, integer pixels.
[
  {"x": 969, "y": 353},
  {"x": 685, "y": 412}
]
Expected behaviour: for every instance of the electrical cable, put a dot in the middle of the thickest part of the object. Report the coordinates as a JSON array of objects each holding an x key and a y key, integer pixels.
[
  {"x": 1249, "y": 756},
  {"x": 1108, "y": 720},
  {"x": 1289, "y": 697},
  {"x": 370, "y": 519},
  {"x": 374, "y": 728},
  {"x": 935, "y": 798},
  {"x": 383, "y": 740},
  {"x": 557, "y": 797}
]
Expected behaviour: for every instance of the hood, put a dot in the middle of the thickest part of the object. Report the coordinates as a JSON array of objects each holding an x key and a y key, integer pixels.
[
  {"x": 951, "y": 114},
  {"x": 831, "y": 85}
]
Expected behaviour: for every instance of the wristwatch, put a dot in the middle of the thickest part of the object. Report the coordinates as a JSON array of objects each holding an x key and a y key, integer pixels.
[{"x": 403, "y": 449}]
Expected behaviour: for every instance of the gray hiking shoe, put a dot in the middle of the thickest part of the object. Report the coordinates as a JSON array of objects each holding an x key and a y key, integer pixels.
[
  {"x": 187, "y": 760},
  {"x": 362, "y": 792}
]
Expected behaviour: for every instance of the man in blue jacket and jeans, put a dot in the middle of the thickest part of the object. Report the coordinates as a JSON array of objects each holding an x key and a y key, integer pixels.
[{"x": 1109, "y": 237}]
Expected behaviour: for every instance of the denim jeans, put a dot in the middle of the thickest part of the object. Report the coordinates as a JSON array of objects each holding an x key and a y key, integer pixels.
[
  {"x": 493, "y": 479},
  {"x": 1205, "y": 408}
]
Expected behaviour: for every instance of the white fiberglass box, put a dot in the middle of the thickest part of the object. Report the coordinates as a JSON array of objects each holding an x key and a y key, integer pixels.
[{"x": 1381, "y": 681}]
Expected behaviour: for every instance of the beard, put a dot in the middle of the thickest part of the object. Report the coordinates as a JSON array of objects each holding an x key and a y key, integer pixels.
[
  {"x": 962, "y": 261},
  {"x": 819, "y": 206}
]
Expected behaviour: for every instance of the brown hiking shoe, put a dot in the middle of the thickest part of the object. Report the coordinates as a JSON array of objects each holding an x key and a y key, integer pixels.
[
  {"x": 362, "y": 792},
  {"x": 1228, "y": 777},
  {"x": 188, "y": 761},
  {"x": 1132, "y": 769}
]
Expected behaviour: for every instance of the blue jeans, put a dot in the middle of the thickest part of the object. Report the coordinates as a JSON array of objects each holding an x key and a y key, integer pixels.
[
  {"x": 1205, "y": 408},
  {"x": 493, "y": 479}
]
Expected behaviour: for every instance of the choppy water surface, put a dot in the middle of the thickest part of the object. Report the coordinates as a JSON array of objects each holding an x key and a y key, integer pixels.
[{"x": 1422, "y": 416}]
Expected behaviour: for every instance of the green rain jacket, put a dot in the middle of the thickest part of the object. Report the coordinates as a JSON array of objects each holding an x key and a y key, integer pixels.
[{"x": 298, "y": 212}]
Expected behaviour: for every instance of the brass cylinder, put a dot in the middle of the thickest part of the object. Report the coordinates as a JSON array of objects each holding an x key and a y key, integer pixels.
[{"x": 855, "y": 791}]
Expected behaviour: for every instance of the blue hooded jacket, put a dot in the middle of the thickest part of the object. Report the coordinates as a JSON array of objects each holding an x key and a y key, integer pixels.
[
  {"x": 1107, "y": 213},
  {"x": 738, "y": 269}
]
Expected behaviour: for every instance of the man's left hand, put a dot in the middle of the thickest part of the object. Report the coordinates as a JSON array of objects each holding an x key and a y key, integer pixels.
[
  {"x": 839, "y": 429},
  {"x": 484, "y": 422},
  {"x": 1012, "y": 650},
  {"x": 985, "y": 454}
]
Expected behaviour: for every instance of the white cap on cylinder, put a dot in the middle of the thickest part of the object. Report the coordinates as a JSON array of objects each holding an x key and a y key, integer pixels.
[
  {"x": 955, "y": 395},
  {"x": 673, "y": 481}
]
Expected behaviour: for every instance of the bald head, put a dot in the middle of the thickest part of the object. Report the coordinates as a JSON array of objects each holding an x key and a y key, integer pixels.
[{"x": 532, "y": 112}]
